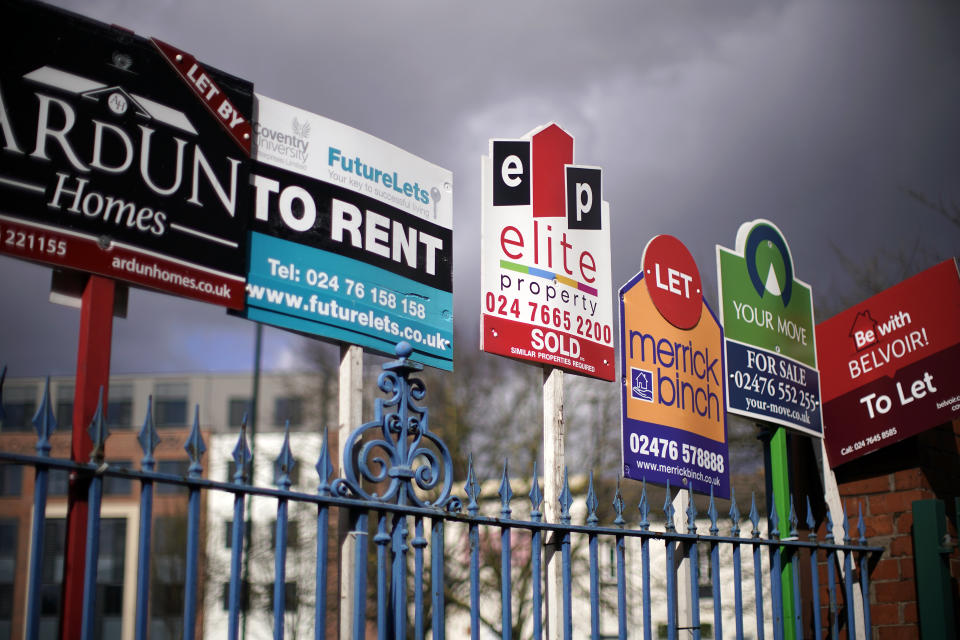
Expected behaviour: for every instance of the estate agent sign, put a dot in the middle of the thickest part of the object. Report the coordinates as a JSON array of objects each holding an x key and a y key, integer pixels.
[
  {"x": 674, "y": 425},
  {"x": 351, "y": 237},
  {"x": 889, "y": 364},
  {"x": 767, "y": 315},
  {"x": 545, "y": 256},
  {"x": 121, "y": 156}
]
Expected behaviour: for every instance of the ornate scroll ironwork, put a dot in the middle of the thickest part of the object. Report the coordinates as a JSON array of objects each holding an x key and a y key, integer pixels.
[{"x": 393, "y": 452}]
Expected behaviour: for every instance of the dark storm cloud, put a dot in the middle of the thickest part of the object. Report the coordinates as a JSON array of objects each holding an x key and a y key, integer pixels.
[{"x": 816, "y": 115}]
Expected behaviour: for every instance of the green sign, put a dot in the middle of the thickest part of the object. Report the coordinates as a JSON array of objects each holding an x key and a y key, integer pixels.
[{"x": 767, "y": 316}]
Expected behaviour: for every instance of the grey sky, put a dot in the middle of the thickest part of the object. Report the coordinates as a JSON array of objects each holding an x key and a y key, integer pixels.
[{"x": 815, "y": 115}]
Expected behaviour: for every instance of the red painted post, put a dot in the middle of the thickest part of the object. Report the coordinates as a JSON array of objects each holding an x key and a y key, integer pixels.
[{"x": 93, "y": 372}]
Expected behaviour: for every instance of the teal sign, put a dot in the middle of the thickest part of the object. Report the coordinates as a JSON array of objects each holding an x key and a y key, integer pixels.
[{"x": 767, "y": 316}]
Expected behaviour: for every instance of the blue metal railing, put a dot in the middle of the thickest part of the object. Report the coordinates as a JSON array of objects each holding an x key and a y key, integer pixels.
[{"x": 398, "y": 477}]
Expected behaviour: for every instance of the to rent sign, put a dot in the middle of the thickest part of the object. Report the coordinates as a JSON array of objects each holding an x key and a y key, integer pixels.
[
  {"x": 112, "y": 163},
  {"x": 351, "y": 237}
]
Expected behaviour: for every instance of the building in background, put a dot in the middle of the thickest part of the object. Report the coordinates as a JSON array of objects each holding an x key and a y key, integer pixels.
[{"x": 223, "y": 399}]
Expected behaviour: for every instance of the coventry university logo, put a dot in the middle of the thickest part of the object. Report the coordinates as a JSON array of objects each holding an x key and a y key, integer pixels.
[
  {"x": 769, "y": 263},
  {"x": 641, "y": 384}
]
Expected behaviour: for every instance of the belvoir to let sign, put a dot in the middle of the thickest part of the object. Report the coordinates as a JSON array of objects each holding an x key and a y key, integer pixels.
[{"x": 545, "y": 263}]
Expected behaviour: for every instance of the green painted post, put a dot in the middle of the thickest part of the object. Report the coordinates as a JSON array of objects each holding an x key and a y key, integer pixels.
[
  {"x": 931, "y": 551},
  {"x": 780, "y": 481}
]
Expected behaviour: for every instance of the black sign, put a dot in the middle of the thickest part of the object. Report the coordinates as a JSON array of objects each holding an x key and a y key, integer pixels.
[
  {"x": 584, "y": 197},
  {"x": 511, "y": 172},
  {"x": 112, "y": 161}
]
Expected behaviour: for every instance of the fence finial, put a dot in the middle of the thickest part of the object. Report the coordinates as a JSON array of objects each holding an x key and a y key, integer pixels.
[
  {"x": 536, "y": 496},
  {"x": 566, "y": 498},
  {"x": 43, "y": 420},
  {"x": 712, "y": 512},
  {"x": 285, "y": 462},
  {"x": 668, "y": 511},
  {"x": 734, "y": 515},
  {"x": 754, "y": 516},
  {"x": 324, "y": 466},
  {"x": 396, "y": 453},
  {"x": 148, "y": 438},
  {"x": 592, "y": 504},
  {"x": 644, "y": 508},
  {"x": 618, "y": 506},
  {"x": 241, "y": 455},
  {"x": 811, "y": 523},
  {"x": 691, "y": 512},
  {"x": 195, "y": 447},
  {"x": 505, "y": 493},
  {"x": 793, "y": 519},
  {"x": 472, "y": 487}
]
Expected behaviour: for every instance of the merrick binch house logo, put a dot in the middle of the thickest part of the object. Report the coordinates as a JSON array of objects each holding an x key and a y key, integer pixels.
[{"x": 641, "y": 384}]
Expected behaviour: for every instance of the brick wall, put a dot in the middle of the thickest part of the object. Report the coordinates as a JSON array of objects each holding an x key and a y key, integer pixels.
[{"x": 886, "y": 483}]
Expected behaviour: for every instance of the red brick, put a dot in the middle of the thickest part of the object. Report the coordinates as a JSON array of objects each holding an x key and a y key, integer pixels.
[
  {"x": 885, "y": 613},
  {"x": 910, "y": 612},
  {"x": 901, "y": 546},
  {"x": 879, "y": 484},
  {"x": 901, "y": 632},
  {"x": 896, "y": 501},
  {"x": 902, "y": 591},
  {"x": 910, "y": 479},
  {"x": 906, "y": 568},
  {"x": 886, "y": 569},
  {"x": 880, "y": 525},
  {"x": 904, "y": 522}
]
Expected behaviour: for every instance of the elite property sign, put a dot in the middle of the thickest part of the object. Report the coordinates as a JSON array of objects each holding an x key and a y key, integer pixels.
[
  {"x": 767, "y": 315},
  {"x": 351, "y": 237},
  {"x": 545, "y": 256},
  {"x": 121, "y": 156}
]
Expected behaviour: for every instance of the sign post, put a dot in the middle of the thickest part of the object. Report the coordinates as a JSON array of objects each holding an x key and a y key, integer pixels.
[
  {"x": 546, "y": 285},
  {"x": 771, "y": 358}
]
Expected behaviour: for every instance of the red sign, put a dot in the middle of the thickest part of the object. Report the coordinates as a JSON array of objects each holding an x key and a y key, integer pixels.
[
  {"x": 888, "y": 365},
  {"x": 113, "y": 259},
  {"x": 674, "y": 281},
  {"x": 215, "y": 99}
]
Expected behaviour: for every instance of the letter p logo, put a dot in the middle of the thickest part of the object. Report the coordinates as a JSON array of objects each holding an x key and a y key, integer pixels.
[{"x": 584, "y": 197}]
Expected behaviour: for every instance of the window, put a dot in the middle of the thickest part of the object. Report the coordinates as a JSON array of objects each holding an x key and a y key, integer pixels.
[
  {"x": 173, "y": 467},
  {"x": 120, "y": 406},
  {"x": 236, "y": 409},
  {"x": 290, "y": 596},
  {"x": 167, "y": 577},
  {"x": 58, "y": 482},
  {"x": 228, "y": 532},
  {"x": 11, "y": 479},
  {"x": 115, "y": 486},
  {"x": 288, "y": 408},
  {"x": 64, "y": 410},
  {"x": 244, "y": 596},
  {"x": 8, "y": 568},
  {"x": 20, "y": 404},
  {"x": 110, "y": 572},
  {"x": 170, "y": 404},
  {"x": 293, "y": 534}
]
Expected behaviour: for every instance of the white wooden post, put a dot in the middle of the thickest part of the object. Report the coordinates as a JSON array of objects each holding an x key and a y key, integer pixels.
[
  {"x": 554, "y": 461},
  {"x": 349, "y": 417},
  {"x": 831, "y": 495}
]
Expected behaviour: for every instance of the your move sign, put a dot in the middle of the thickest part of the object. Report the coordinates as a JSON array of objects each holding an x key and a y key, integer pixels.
[{"x": 112, "y": 162}]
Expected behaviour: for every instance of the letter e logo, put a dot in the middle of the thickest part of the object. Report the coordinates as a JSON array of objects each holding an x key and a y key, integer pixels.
[{"x": 511, "y": 172}]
